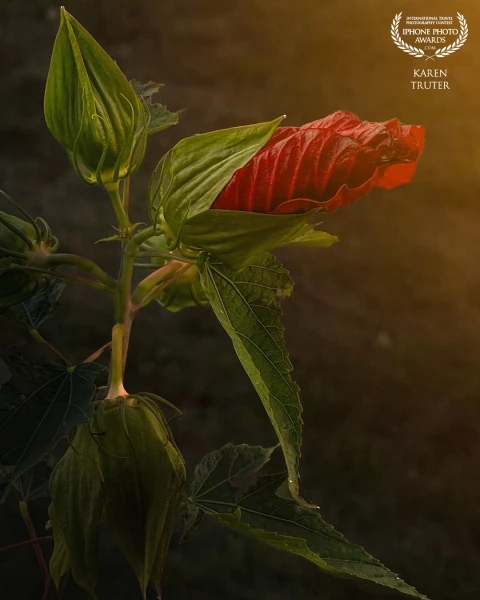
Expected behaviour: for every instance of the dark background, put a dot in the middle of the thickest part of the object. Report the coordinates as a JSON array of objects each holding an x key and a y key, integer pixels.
[{"x": 383, "y": 330}]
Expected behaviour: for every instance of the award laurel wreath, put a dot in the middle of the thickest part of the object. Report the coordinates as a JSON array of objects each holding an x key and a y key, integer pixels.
[{"x": 418, "y": 52}]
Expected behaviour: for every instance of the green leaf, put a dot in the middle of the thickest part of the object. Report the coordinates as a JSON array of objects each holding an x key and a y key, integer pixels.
[
  {"x": 225, "y": 489},
  {"x": 61, "y": 400},
  {"x": 60, "y": 560},
  {"x": 309, "y": 237},
  {"x": 77, "y": 503},
  {"x": 191, "y": 519},
  {"x": 189, "y": 178},
  {"x": 32, "y": 484},
  {"x": 158, "y": 117},
  {"x": 34, "y": 311},
  {"x": 247, "y": 304},
  {"x": 237, "y": 238}
]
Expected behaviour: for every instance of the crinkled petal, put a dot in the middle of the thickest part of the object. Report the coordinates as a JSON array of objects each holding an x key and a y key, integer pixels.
[{"x": 324, "y": 165}]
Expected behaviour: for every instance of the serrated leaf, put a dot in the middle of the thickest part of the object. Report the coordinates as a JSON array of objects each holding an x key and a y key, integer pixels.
[
  {"x": 61, "y": 401},
  {"x": 34, "y": 311},
  {"x": 264, "y": 511},
  {"x": 77, "y": 503},
  {"x": 31, "y": 485},
  {"x": 247, "y": 304},
  {"x": 191, "y": 519},
  {"x": 158, "y": 117},
  {"x": 189, "y": 178}
]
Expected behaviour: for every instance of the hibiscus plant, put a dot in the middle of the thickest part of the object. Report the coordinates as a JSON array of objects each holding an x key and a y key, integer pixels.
[{"x": 218, "y": 203}]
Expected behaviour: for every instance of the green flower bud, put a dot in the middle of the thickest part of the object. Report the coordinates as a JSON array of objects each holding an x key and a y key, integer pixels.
[
  {"x": 91, "y": 108},
  {"x": 20, "y": 242},
  {"x": 126, "y": 466},
  {"x": 186, "y": 290}
]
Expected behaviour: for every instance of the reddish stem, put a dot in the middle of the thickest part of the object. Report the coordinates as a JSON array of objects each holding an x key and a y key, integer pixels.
[
  {"x": 39, "y": 338},
  {"x": 33, "y": 536},
  {"x": 98, "y": 353},
  {"x": 47, "y": 538}
]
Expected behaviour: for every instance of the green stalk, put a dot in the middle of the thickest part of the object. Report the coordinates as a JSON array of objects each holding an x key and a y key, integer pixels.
[
  {"x": 33, "y": 536},
  {"x": 90, "y": 282},
  {"x": 39, "y": 338},
  {"x": 153, "y": 280},
  {"x": 119, "y": 205},
  {"x": 87, "y": 265}
]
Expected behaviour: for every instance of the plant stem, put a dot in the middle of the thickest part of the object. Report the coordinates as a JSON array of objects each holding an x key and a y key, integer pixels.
[
  {"x": 40, "y": 540},
  {"x": 116, "y": 388},
  {"x": 90, "y": 282},
  {"x": 152, "y": 280},
  {"x": 159, "y": 288},
  {"x": 85, "y": 264},
  {"x": 118, "y": 206},
  {"x": 126, "y": 194},
  {"x": 122, "y": 305},
  {"x": 33, "y": 536},
  {"x": 144, "y": 235},
  {"x": 39, "y": 338},
  {"x": 167, "y": 256},
  {"x": 98, "y": 353}
]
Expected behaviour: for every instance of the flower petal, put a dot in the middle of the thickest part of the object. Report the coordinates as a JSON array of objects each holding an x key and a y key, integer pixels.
[{"x": 324, "y": 165}]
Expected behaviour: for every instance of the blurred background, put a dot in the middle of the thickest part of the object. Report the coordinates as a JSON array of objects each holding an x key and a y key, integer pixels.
[{"x": 383, "y": 330}]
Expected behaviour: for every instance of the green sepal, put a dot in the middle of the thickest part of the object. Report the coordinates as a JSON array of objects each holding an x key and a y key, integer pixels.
[
  {"x": 157, "y": 116},
  {"x": 187, "y": 180},
  {"x": 16, "y": 285},
  {"x": 76, "y": 490},
  {"x": 91, "y": 109},
  {"x": 144, "y": 477},
  {"x": 186, "y": 290}
]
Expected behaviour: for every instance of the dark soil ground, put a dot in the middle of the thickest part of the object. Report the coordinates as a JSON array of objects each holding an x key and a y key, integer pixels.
[{"x": 383, "y": 330}]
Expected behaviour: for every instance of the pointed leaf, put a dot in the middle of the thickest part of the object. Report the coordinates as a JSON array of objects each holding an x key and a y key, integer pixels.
[
  {"x": 189, "y": 178},
  {"x": 237, "y": 238},
  {"x": 247, "y": 304},
  {"x": 192, "y": 517},
  {"x": 60, "y": 401},
  {"x": 77, "y": 502},
  {"x": 34, "y": 311},
  {"x": 158, "y": 117},
  {"x": 60, "y": 560},
  {"x": 262, "y": 509},
  {"x": 309, "y": 237}
]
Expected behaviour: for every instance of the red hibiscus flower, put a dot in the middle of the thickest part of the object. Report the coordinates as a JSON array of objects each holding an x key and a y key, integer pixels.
[{"x": 324, "y": 165}]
